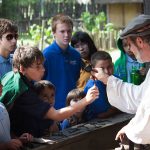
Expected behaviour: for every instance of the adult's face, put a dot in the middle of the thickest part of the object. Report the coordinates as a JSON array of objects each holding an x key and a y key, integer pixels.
[
  {"x": 140, "y": 48},
  {"x": 63, "y": 34}
]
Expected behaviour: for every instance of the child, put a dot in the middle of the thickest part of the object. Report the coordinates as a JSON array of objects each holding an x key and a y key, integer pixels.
[
  {"x": 62, "y": 62},
  {"x": 100, "y": 107},
  {"x": 46, "y": 91},
  {"x": 8, "y": 42},
  {"x": 5, "y": 139},
  {"x": 74, "y": 96},
  {"x": 83, "y": 43},
  {"x": 28, "y": 109},
  {"x": 127, "y": 62}
]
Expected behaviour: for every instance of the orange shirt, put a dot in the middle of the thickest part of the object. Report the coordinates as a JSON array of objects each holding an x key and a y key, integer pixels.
[{"x": 84, "y": 77}]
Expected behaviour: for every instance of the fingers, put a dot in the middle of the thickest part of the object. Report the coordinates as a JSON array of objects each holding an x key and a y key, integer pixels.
[
  {"x": 26, "y": 137},
  {"x": 15, "y": 144}
]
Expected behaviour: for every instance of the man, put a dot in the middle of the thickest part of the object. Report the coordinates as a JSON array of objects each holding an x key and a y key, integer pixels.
[
  {"x": 8, "y": 41},
  {"x": 128, "y": 97},
  {"x": 62, "y": 62}
]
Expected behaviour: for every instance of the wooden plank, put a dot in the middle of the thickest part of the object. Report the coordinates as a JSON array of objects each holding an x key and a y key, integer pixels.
[{"x": 93, "y": 135}]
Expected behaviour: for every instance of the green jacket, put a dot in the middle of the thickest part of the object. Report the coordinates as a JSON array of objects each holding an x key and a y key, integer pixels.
[
  {"x": 124, "y": 64},
  {"x": 121, "y": 61},
  {"x": 13, "y": 86}
]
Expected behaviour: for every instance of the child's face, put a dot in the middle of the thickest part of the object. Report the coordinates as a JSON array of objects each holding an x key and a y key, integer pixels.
[
  {"x": 8, "y": 42},
  {"x": 63, "y": 34},
  {"x": 127, "y": 49},
  {"x": 83, "y": 49},
  {"x": 106, "y": 65},
  {"x": 48, "y": 95},
  {"x": 35, "y": 72},
  {"x": 80, "y": 112}
]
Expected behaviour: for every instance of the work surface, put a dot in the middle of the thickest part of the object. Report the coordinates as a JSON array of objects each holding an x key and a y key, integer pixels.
[{"x": 98, "y": 134}]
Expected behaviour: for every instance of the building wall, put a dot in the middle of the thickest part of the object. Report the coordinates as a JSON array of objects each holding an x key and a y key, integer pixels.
[{"x": 121, "y": 14}]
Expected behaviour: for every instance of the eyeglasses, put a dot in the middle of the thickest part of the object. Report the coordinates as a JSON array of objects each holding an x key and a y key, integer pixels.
[{"x": 9, "y": 37}]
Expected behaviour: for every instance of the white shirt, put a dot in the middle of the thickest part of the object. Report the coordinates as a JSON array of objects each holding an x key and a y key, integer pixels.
[
  {"x": 4, "y": 124},
  {"x": 135, "y": 100}
]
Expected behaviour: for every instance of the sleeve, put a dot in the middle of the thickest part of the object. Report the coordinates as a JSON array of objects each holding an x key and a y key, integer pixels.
[
  {"x": 31, "y": 104},
  {"x": 137, "y": 129},
  {"x": 124, "y": 96},
  {"x": 88, "y": 85},
  {"x": 65, "y": 124}
]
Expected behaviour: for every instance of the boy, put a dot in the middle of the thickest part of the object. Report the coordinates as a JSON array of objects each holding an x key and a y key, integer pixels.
[
  {"x": 5, "y": 139},
  {"x": 74, "y": 96},
  {"x": 28, "y": 109},
  {"x": 62, "y": 62},
  {"x": 100, "y": 107},
  {"x": 8, "y": 42},
  {"x": 46, "y": 91},
  {"x": 125, "y": 64}
]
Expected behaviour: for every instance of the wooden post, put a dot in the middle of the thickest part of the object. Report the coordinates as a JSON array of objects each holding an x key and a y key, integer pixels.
[{"x": 146, "y": 5}]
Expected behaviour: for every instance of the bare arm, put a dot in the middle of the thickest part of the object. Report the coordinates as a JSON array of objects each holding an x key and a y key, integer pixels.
[{"x": 66, "y": 112}]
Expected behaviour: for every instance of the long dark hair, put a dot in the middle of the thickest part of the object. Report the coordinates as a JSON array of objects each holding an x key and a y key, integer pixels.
[{"x": 84, "y": 37}]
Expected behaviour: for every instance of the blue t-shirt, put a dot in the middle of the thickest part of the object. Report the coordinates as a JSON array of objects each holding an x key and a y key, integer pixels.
[
  {"x": 5, "y": 65},
  {"x": 62, "y": 68},
  {"x": 101, "y": 104}
]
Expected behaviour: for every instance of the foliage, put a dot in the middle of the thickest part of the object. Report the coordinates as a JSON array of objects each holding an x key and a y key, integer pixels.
[
  {"x": 94, "y": 23},
  {"x": 43, "y": 32},
  {"x": 62, "y": 1},
  {"x": 88, "y": 20}
]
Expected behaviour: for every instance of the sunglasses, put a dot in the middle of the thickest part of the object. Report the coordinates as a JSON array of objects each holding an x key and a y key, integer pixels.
[{"x": 9, "y": 37}]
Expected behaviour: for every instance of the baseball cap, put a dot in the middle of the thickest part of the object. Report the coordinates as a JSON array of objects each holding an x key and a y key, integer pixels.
[{"x": 139, "y": 26}]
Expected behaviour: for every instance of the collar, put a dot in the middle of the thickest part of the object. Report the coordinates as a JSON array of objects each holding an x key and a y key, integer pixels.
[
  {"x": 129, "y": 59},
  {"x": 3, "y": 60},
  {"x": 60, "y": 50}
]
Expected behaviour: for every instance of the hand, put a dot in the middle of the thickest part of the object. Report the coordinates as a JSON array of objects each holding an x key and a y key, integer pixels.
[
  {"x": 122, "y": 136},
  {"x": 92, "y": 94},
  {"x": 26, "y": 137},
  {"x": 14, "y": 144},
  {"x": 99, "y": 74}
]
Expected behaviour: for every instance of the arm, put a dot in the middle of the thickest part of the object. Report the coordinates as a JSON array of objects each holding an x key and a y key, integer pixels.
[
  {"x": 66, "y": 112},
  {"x": 124, "y": 96},
  {"x": 14, "y": 144},
  {"x": 137, "y": 130}
]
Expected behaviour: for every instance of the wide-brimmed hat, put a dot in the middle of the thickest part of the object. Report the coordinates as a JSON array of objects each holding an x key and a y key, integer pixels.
[{"x": 139, "y": 26}]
